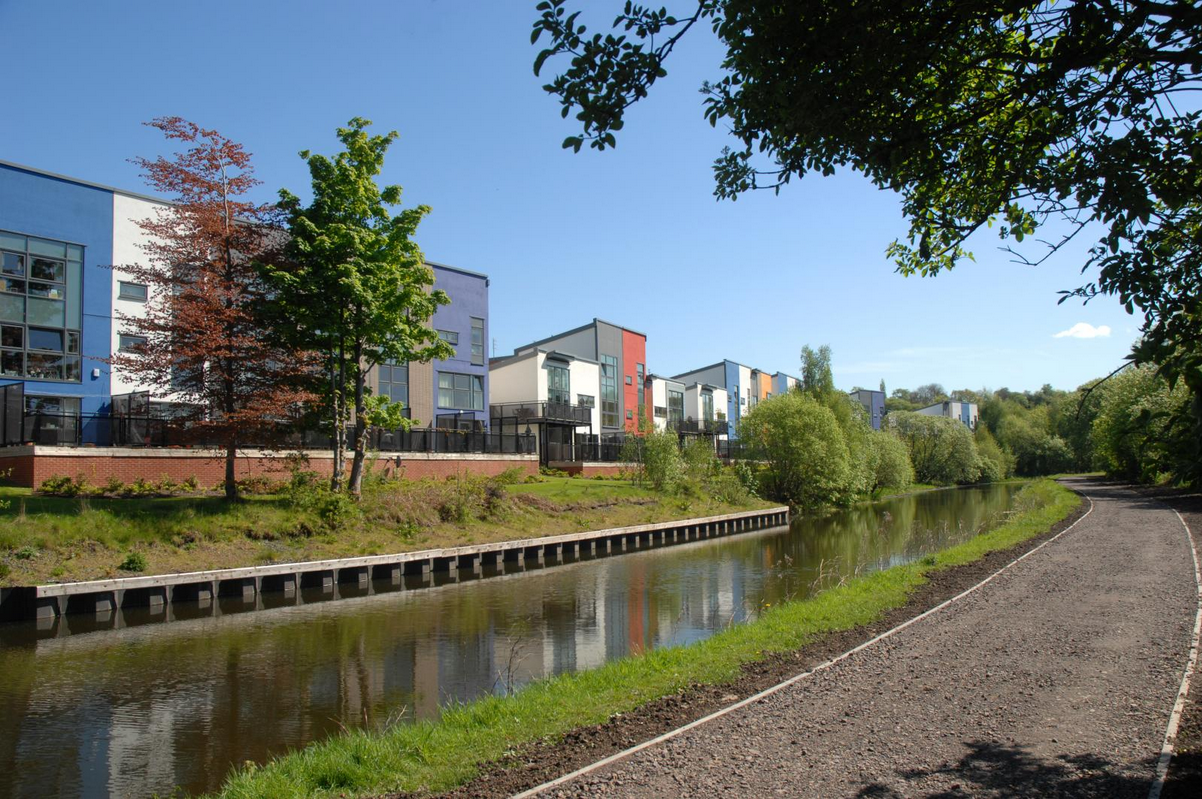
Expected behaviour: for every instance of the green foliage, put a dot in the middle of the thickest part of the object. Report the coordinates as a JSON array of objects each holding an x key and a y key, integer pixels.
[
  {"x": 816, "y": 377},
  {"x": 941, "y": 449},
  {"x": 805, "y": 452},
  {"x": 134, "y": 562},
  {"x": 700, "y": 459},
  {"x": 1141, "y": 432},
  {"x": 662, "y": 466},
  {"x": 891, "y": 461},
  {"x": 996, "y": 463},
  {"x": 355, "y": 286}
]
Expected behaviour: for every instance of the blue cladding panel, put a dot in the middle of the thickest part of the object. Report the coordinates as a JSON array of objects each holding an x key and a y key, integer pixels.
[
  {"x": 469, "y": 297},
  {"x": 53, "y": 208},
  {"x": 732, "y": 398}
]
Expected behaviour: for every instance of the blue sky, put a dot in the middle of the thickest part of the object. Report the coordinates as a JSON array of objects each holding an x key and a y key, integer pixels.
[{"x": 632, "y": 235}]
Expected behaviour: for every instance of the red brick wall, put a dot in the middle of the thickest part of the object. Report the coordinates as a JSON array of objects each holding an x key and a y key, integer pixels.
[
  {"x": 593, "y": 470},
  {"x": 30, "y": 469}
]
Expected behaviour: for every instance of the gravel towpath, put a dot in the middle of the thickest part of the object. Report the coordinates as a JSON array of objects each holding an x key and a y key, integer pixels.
[{"x": 1055, "y": 679}]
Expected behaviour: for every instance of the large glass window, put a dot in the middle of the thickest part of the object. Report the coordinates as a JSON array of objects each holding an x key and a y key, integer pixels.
[
  {"x": 41, "y": 283},
  {"x": 559, "y": 387},
  {"x": 675, "y": 406},
  {"x": 394, "y": 382},
  {"x": 707, "y": 406},
  {"x": 609, "y": 391},
  {"x": 477, "y": 341},
  {"x": 640, "y": 375},
  {"x": 460, "y": 391},
  {"x": 449, "y": 336}
]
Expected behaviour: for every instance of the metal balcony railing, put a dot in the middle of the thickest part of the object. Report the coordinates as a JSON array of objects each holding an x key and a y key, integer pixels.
[{"x": 535, "y": 412}]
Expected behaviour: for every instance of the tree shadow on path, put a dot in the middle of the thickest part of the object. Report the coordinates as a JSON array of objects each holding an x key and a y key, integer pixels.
[{"x": 992, "y": 769}]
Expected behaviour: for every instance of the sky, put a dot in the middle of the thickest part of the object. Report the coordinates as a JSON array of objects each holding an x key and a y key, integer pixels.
[{"x": 632, "y": 235}]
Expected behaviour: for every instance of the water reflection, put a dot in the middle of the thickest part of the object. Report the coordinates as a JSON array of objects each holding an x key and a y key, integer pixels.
[{"x": 146, "y": 707}]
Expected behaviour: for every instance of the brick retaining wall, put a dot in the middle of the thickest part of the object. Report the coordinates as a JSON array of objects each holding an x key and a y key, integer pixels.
[{"x": 30, "y": 465}]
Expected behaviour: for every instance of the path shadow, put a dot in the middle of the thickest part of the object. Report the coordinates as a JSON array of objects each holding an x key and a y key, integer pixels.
[{"x": 991, "y": 769}]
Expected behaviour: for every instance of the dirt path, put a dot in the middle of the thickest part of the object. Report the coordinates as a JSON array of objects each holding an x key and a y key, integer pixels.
[{"x": 1056, "y": 679}]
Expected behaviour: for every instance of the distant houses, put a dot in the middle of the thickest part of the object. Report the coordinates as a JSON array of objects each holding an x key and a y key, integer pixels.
[
  {"x": 874, "y": 404},
  {"x": 966, "y": 412}
]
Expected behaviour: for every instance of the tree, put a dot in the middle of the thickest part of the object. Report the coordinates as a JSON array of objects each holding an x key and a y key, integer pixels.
[
  {"x": 890, "y": 460},
  {"x": 816, "y": 377},
  {"x": 206, "y": 345},
  {"x": 941, "y": 449},
  {"x": 805, "y": 455},
  {"x": 1137, "y": 434},
  {"x": 1030, "y": 116},
  {"x": 356, "y": 285}
]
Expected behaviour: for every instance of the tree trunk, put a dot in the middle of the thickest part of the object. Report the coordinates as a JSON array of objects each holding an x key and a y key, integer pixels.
[
  {"x": 356, "y": 479},
  {"x": 231, "y": 481}
]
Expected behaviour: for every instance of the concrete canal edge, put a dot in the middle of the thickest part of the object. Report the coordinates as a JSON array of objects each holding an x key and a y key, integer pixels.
[{"x": 46, "y": 603}]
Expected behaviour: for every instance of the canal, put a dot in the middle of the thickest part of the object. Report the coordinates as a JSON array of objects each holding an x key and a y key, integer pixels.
[{"x": 148, "y": 707}]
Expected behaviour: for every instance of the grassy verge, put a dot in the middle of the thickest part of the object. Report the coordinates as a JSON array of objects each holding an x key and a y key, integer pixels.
[
  {"x": 431, "y": 756},
  {"x": 57, "y": 539}
]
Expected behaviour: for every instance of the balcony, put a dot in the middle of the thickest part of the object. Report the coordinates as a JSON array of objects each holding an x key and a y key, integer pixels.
[
  {"x": 699, "y": 427},
  {"x": 539, "y": 412}
]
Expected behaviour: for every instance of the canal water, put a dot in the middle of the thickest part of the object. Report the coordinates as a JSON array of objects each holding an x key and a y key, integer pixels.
[{"x": 148, "y": 707}]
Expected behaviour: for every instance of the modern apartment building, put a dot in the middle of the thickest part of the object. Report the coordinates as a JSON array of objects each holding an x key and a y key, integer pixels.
[
  {"x": 621, "y": 354},
  {"x": 549, "y": 394},
  {"x": 742, "y": 389},
  {"x": 451, "y": 393},
  {"x": 667, "y": 402},
  {"x": 874, "y": 404},
  {"x": 783, "y": 383},
  {"x": 966, "y": 412},
  {"x": 62, "y": 302}
]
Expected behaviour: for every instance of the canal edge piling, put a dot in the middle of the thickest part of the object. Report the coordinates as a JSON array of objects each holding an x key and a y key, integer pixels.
[{"x": 46, "y": 603}]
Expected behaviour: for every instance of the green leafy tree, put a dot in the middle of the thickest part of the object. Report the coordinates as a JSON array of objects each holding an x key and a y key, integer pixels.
[
  {"x": 941, "y": 449},
  {"x": 1030, "y": 117},
  {"x": 805, "y": 455},
  {"x": 996, "y": 462},
  {"x": 891, "y": 467},
  {"x": 355, "y": 285},
  {"x": 816, "y": 377},
  {"x": 1137, "y": 433},
  {"x": 663, "y": 465}
]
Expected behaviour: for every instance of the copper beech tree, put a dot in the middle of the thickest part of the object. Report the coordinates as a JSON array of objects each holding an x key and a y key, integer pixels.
[{"x": 205, "y": 345}]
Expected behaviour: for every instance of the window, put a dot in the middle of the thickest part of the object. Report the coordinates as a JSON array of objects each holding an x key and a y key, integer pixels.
[
  {"x": 40, "y": 307},
  {"x": 707, "y": 407},
  {"x": 609, "y": 391},
  {"x": 585, "y": 400},
  {"x": 449, "y": 336},
  {"x": 629, "y": 414},
  {"x": 129, "y": 343},
  {"x": 477, "y": 341},
  {"x": 558, "y": 384},
  {"x": 52, "y": 405},
  {"x": 640, "y": 375},
  {"x": 675, "y": 406},
  {"x": 394, "y": 382},
  {"x": 629, "y": 380},
  {"x": 131, "y": 291},
  {"x": 460, "y": 391},
  {"x": 660, "y": 412}
]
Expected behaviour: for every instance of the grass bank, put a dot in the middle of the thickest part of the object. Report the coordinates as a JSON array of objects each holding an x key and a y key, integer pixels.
[
  {"x": 61, "y": 539},
  {"x": 437, "y": 755}
]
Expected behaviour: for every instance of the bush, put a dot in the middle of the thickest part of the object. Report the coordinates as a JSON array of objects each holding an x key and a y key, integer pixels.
[
  {"x": 58, "y": 485},
  {"x": 663, "y": 466},
  {"x": 806, "y": 455},
  {"x": 890, "y": 460},
  {"x": 942, "y": 450},
  {"x": 134, "y": 562},
  {"x": 700, "y": 459}
]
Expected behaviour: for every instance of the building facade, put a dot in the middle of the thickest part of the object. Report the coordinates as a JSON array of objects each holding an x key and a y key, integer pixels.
[
  {"x": 622, "y": 356},
  {"x": 966, "y": 412},
  {"x": 63, "y": 296},
  {"x": 550, "y": 394},
  {"x": 874, "y": 404},
  {"x": 742, "y": 391}
]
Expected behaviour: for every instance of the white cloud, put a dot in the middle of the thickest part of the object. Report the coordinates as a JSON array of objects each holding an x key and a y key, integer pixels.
[{"x": 1084, "y": 330}]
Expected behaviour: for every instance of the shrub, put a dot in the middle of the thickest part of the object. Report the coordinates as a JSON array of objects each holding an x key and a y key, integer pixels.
[
  {"x": 58, "y": 485},
  {"x": 134, "y": 562},
  {"x": 662, "y": 466},
  {"x": 891, "y": 461},
  {"x": 941, "y": 449},
  {"x": 511, "y": 476},
  {"x": 700, "y": 459},
  {"x": 113, "y": 486},
  {"x": 806, "y": 456}
]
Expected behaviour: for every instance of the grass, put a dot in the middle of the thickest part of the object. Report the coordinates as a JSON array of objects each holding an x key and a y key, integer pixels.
[
  {"x": 438, "y": 755},
  {"x": 56, "y": 539}
]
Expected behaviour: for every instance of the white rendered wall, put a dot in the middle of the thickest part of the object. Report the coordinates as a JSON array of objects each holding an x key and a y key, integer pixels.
[
  {"x": 514, "y": 381},
  {"x": 585, "y": 378},
  {"x": 659, "y": 399},
  {"x": 127, "y": 238}
]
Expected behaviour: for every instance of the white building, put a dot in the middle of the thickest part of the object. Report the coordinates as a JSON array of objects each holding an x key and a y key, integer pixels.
[
  {"x": 966, "y": 412},
  {"x": 549, "y": 393},
  {"x": 667, "y": 402},
  {"x": 706, "y": 405}
]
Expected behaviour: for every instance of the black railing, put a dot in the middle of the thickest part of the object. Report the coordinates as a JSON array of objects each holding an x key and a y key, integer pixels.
[
  {"x": 731, "y": 450},
  {"x": 534, "y": 412},
  {"x": 73, "y": 430},
  {"x": 606, "y": 449}
]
